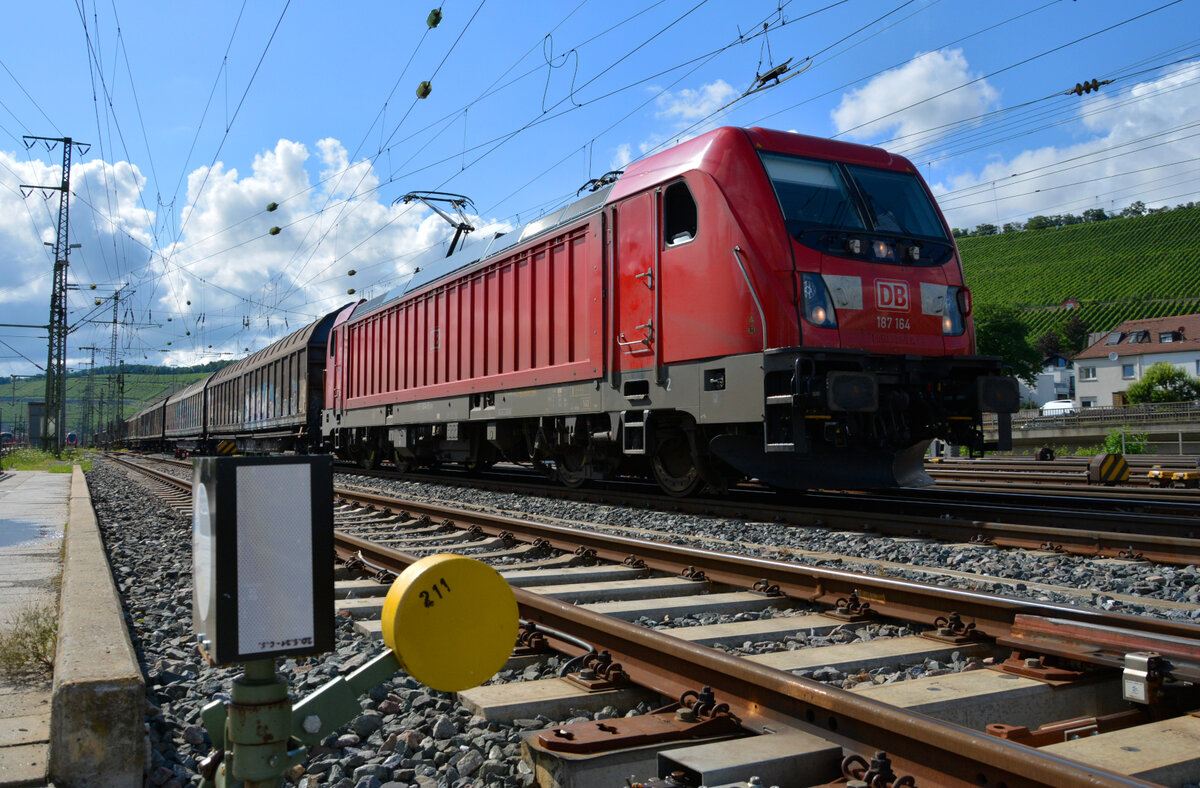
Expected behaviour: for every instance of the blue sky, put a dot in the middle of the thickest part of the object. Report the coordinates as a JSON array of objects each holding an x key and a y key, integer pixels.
[{"x": 201, "y": 114}]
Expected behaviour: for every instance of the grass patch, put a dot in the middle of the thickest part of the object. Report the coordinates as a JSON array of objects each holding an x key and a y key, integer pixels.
[
  {"x": 38, "y": 460},
  {"x": 27, "y": 642}
]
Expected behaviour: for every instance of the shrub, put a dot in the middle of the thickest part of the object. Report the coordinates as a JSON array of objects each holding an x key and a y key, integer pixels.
[
  {"x": 1133, "y": 443},
  {"x": 27, "y": 644}
]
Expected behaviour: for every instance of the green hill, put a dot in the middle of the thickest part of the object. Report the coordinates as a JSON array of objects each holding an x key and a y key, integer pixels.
[
  {"x": 1117, "y": 269},
  {"x": 142, "y": 387}
]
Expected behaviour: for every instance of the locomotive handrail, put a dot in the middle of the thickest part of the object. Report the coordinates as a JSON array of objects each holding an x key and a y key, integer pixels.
[{"x": 762, "y": 318}]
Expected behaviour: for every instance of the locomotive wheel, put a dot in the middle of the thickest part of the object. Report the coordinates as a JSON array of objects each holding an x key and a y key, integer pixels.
[
  {"x": 569, "y": 467},
  {"x": 674, "y": 469},
  {"x": 403, "y": 464},
  {"x": 370, "y": 457}
]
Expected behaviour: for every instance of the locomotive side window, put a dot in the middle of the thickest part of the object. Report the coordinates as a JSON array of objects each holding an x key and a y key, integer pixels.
[
  {"x": 811, "y": 193},
  {"x": 679, "y": 214}
]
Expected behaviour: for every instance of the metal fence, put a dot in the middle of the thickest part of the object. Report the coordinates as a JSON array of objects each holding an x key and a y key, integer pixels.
[{"x": 1129, "y": 415}]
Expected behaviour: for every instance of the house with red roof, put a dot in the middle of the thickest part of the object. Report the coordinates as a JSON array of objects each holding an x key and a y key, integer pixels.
[{"x": 1107, "y": 367}]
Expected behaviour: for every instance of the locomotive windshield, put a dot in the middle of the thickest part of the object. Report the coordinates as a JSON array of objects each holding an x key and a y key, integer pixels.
[{"x": 818, "y": 195}]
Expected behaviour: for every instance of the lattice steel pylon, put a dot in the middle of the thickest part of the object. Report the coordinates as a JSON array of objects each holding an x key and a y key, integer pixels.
[{"x": 53, "y": 430}]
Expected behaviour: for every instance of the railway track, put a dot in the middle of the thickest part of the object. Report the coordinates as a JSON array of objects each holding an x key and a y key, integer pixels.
[
  {"x": 1069, "y": 473},
  {"x": 581, "y": 591},
  {"x": 1125, "y": 526}
]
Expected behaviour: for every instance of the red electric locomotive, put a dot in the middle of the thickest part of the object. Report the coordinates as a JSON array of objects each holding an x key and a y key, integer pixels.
[{"x": 749, "y": 303}]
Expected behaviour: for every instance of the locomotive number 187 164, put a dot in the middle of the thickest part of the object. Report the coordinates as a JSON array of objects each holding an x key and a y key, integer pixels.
[{"x": 897, "y": 323}]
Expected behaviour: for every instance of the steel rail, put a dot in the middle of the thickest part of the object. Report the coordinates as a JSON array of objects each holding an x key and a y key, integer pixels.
[
  {"x": 922, "y": 603},
  {"x": 768, "y": 700}
]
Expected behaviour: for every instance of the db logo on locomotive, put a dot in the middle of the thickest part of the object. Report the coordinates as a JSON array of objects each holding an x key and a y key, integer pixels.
[{"x": 891, "y": 294}]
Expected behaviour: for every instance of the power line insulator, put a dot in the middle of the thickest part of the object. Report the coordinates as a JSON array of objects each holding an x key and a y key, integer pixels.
[
  {"x": 272, "y": 206},
  {"x": 424, "y": 89},
  {"x": 273, "y": 231},
  {"x": 1087, "y": 87},
  {"x": 435, "y": 18}
]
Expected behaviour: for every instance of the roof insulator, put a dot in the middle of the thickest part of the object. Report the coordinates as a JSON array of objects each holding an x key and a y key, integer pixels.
[
  {"x": 350, "y": 291},
  {"x": 424, "y": 89},
  {"x": 273, "y": 231},
  {"x": 435, "y": 18},
  {"x": 97, "y": 302},
  {"x": 93, "y": 287}
]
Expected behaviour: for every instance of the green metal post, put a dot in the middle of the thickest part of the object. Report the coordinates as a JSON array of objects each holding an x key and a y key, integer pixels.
[{"x": 257, "y": 730}]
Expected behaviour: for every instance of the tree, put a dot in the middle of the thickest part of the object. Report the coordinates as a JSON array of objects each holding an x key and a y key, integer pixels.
[
  {"x": 1049, "y": 344},
  {"x": 1074, "y": 334},
  {"x": 1013, "y": 227},
  {"x": 1000, "y": 331},
  {"x": 1039, "y": 222},
  {"x": 1094, "y": 215},
  {"x": 1163, "y": 382},
  {"x": 1136, "y": 209},
  {"x": 986, "y": 229}
]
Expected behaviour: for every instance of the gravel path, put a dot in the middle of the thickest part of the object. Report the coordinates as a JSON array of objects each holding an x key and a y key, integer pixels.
[{"x": 411, "y": 736}]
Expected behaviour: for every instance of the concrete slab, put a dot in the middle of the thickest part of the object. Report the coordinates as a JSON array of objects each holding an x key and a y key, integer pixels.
[
  {"x": 25, "y": 765},
  {"x": 554, "y": 698},
  {"x": 622, "y": 590},
  {"x": 33, "y": 515},
  {"x": 976, "y": 698},
  {"x": 99, "y": 701},
  {"x": 1166, "y": 752},
  {"x": 848, "y": 657},
  {"x": 728, "y": 603},
  {"x": 358, "y": 589},
  {"x": 785, "y": 758},
  {"x": 736, "y": 633},
  {"x": 526, "y": 578}
]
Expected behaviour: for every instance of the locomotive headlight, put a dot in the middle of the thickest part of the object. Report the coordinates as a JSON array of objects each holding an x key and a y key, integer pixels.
[
  {"x": 883, "y": 250},
  {"x": 958, "y": 306},
  {"x": 817, "y": 305}
]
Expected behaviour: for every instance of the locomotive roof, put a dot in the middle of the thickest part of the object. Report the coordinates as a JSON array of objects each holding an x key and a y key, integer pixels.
[{"x": 640, "y": 174}]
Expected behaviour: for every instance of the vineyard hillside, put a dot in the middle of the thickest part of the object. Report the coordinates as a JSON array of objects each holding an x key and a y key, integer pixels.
[{"x": 1116, "y": 269}]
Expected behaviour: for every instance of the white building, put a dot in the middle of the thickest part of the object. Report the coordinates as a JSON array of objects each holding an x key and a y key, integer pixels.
[
  {"x": 1055, "y": 381},
  {"x": 1119, "y": 358}
]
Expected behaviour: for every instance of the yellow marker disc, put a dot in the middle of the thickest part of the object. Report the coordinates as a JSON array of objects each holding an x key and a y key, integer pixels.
[{"x": 451, "y": 621}]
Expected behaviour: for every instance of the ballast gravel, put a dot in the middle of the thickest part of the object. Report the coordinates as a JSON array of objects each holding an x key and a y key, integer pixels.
[
  {"x": 409, "y": 735},
  {"x": 1123, "y": 586}
]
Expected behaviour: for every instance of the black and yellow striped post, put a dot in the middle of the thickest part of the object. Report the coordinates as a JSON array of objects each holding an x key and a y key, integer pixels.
[{"x": 1108, "y": 469}]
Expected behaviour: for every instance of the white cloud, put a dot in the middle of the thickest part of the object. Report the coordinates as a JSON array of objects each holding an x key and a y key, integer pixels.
[
  {"x": 687, "y": 106},
  {"x": 1132, "y": 151},
  {"x": 225, "y": 278},
  {"x": 682, "y": 111},
  {"x": 622, "y": 157},
  {"x": 909, "y": 99}
]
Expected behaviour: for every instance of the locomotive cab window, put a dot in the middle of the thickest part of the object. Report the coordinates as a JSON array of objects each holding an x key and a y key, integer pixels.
[
  {"x": 896, "y": 203},
  {"x": 679, "y": 214},
  {"x": 812, "y": 194}
]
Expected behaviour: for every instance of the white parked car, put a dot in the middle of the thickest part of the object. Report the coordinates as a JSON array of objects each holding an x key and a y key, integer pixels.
[{"x": 1059, "y": 407}]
